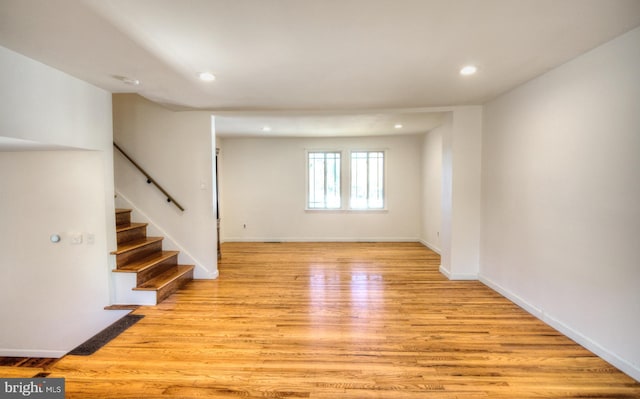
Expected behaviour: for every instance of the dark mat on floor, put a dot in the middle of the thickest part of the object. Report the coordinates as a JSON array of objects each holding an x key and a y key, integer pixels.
[{"x": 106, "y": 335}]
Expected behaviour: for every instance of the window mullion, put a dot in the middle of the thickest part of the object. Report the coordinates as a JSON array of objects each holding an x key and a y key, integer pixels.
[
  {"x": 368, "y": 178},
  {"x": 327, "y": 187},
  {"x": 326, "y": 172}
]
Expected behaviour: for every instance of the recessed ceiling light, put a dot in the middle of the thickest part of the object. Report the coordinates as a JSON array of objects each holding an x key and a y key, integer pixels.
[
  {"x": 397, "y": 126},
  {"x": 207, "y": 76},
  {"x": 127, "y": 80},
  {"x": 266, "y": 129},
  {"x": 468, "y": 70}
]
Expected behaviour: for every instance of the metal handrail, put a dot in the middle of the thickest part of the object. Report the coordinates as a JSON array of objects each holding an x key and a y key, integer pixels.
[{"x": 150, "y": 180}]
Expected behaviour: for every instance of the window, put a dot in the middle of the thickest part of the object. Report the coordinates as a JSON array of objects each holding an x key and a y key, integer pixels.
[
  {"x": 367, "y": 180},
  {"x": 365, "y": 188},
  {"x": 324, "y": 180}
]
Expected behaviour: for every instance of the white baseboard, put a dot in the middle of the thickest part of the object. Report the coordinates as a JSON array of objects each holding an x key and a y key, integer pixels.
[
  {"x": 431, "y": 247},
  {"x": 535, "y": 311},
  {"x": 320, "y": 239},
  {"x": 624, "y": 365},
  {"x": 214, "y": 275},
  {"x": 457, "y": 276},
  {"x": 31, "y": 353}
]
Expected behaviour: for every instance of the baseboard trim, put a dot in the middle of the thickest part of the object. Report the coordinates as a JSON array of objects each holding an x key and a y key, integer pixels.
[
  {"x": 524, "y": 304},
  {"x": 431, "y": 247},
  {"x": 608, "y": 356},
  {"x": 321, "y": 239},
  {"x": 457, "y": 276},
  {"x": 31, "y": 353},
  {"x": 213, "y": 275},
  {"x": 622, "y": 364}
]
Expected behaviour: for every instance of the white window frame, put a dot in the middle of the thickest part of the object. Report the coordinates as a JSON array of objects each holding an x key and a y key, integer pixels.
[
  {"x": 345, "y": 183},
  {"x": 383, "y": 181},
  {"x": 308, "y": 204}
]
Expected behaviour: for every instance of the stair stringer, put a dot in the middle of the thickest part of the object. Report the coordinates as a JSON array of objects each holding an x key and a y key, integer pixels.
[
  {"x": 169, "y": 243},
  {"x": 123, "y": 285}
]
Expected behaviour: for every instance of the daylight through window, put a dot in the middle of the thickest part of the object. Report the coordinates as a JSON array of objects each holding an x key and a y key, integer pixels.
[
  {"x": 367, "y": 180},
  {"x": 324, "y": 180}
]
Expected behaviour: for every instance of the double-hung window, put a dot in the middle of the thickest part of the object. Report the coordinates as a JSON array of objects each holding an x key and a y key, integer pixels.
[
  {"x": 367, "y": 180},
  {"x": 365, "y": 186},
  {"x": 324, "y": 180}
]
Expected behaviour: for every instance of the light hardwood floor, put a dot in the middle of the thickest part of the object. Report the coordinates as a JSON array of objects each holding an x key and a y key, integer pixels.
[{"x": 339, "y": 320}]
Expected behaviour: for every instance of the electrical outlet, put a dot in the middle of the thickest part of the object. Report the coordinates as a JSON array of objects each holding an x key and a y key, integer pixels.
[{"x": 90, "y": 238}]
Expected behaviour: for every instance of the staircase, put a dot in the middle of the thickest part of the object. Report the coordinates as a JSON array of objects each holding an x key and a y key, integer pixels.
[{"x": 144, "y": 274}]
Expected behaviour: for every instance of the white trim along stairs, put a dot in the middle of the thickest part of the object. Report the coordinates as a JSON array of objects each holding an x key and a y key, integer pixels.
[{"x": 145, "y": 274}]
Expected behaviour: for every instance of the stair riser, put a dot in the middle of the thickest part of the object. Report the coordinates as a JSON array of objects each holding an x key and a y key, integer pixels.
[
  {"x": 161, "y": 267},
  {"x": 124, "y": 293},
  {"x": 123, "y": 218},
  {"x": 138, "y": 278},
  {"x": 174, "y": 286},
  {"x": 132, "y": 234},
  {"x": 138, "y": 253}
]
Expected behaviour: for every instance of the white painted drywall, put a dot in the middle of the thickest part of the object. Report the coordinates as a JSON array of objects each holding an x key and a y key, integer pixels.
[
  {"x": 447, "y": 194},
  {"x": 561, "y": 199},
  {"x": 461, "y": 188},
  {"x": 44, "y": 105},
  {"x": 175, "y": 148},
  {"x": 262, "y": 186},
  {"x": 53, "y": 296},
  {"x": 432, "y": 189},
  {"x": 49, "y": 108}
]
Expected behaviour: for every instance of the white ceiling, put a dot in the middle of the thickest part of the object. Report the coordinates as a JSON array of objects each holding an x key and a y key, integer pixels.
[
  {"x": 321, "y": 124},
  {"x": 9, "y": 144},
  {"x": 331, "y": 57}
]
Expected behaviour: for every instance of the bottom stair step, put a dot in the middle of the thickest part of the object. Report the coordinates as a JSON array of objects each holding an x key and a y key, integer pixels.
[{"x": 168, "y": 282}]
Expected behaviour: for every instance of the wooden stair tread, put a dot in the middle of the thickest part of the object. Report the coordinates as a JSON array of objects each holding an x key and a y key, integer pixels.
[
  {"x": 130, "y": 226},
  {"x": 129, "y": 246},
  {"x": 145, "y": 263},
  {"x": 165, "y": 278},
  {"x": 122, "y": 307},
  {"x": 155, "y": 271}
]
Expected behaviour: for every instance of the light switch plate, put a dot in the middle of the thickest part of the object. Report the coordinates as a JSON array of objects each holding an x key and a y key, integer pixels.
[{"x": 76, "y": 238}]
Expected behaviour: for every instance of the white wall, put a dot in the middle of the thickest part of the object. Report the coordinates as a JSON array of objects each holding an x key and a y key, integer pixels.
[
  {"x": 262, "y": 186},
  {"x": 461, "y": 187},
  {"x": 46, "y": 286},
  {"x": 53, "y": 295},
  {"x": 45, "y": 105},
  {"x": 432, "y": 189},
  {"x": 561, "y": 199},
  {"x": 175, "y": 148},
  {"x": 447, "y": 194}
]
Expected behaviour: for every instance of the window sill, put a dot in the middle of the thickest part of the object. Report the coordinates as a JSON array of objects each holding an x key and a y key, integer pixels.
[{"x": 311, "y": 210}]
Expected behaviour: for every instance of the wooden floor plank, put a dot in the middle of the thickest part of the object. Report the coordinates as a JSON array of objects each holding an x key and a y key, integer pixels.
[
  {"x": 19, "y": 372},
  {"x": 339, "y": 320}
]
